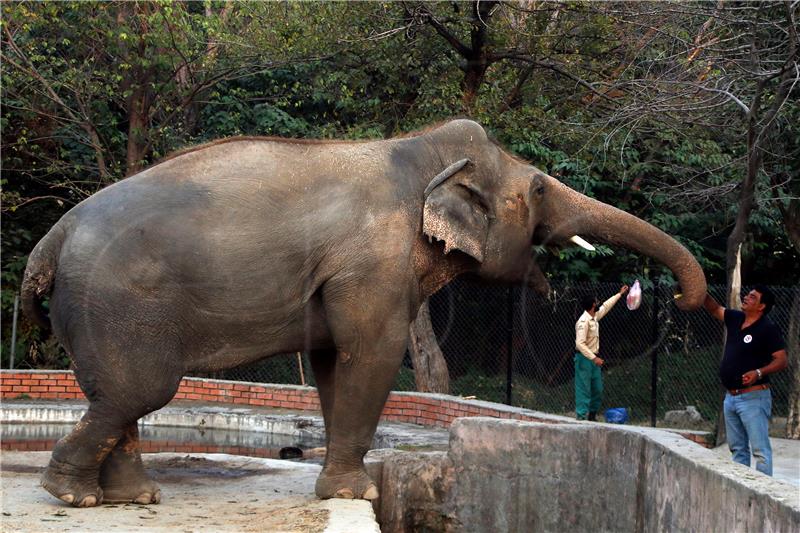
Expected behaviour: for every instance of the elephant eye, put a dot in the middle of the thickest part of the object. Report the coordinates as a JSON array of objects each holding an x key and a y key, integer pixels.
[{"x": 540, "y": 190}]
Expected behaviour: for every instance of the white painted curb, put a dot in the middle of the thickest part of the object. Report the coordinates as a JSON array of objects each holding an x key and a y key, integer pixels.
[{"x": 350, "y": 516}]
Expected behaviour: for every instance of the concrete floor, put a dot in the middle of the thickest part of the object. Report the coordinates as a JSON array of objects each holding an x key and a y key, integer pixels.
[
  {"x": 209, "y": 492},
  {"x": 785, "y": 459}
]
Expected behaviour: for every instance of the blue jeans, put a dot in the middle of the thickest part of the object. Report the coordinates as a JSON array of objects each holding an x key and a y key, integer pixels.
[{"x": 747, "y": 425}]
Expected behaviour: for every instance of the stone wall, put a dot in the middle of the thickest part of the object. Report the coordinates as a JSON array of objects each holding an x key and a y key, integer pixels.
[{"x": 504, "y": 475}]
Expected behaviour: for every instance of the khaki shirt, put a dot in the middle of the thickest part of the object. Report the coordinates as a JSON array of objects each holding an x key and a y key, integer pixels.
[{"x": 587, "y": 329}]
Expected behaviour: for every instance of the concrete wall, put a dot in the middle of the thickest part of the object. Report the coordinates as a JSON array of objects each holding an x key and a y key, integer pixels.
[{"x": 512, "y": 476}]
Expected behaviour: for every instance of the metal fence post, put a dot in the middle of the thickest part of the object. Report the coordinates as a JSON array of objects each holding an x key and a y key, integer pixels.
[
  {"x": 654, "y": 359},
  {"x": 509, "y": 342},
  {"x": 14, "y": 331}
]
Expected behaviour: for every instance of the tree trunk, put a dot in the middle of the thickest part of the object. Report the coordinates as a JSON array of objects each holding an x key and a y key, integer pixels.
[
  {"x": 138, "y": 109},
  {"x": 473, "y": 78},
  {"x": 733, "y": 302},
  {"x": 793, "y": 351},
  {"x": 477, "y": 58},
  {"x": 430, "y": 368}
]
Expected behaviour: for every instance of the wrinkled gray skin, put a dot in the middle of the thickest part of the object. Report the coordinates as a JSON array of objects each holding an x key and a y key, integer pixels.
[{"x": 231, "y": 252}]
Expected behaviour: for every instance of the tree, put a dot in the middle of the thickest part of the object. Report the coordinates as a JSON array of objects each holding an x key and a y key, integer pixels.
[
  {"x": 746, "y": 56},
  {"x": 430, "y": 368}
]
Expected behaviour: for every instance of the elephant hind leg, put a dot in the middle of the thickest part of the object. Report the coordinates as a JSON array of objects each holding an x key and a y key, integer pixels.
[
  {"x": 72, "y": 474},
  {"x": 107, "y": 434},
  {"x": 122, "y": 475}
]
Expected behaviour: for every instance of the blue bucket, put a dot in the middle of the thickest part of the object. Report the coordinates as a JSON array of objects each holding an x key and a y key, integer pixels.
[{"x": 617, "y": 415}]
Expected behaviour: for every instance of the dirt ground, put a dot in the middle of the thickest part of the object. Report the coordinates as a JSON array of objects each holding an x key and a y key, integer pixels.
[{"x": 199, "y": 493}]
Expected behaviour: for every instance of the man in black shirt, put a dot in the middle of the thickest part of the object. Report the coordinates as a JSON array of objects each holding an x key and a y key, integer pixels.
[{"x": 754, "y": 349}]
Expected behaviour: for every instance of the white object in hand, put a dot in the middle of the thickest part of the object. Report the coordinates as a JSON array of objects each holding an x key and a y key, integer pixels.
[{"x": 634, "y": 298}]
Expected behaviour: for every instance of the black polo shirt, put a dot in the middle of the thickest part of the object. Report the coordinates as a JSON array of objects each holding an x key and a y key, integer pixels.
[{"x": 747, "y": 349}]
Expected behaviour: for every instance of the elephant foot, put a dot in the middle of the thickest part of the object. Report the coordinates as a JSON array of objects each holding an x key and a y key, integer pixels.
[
  {"x": 125, "y": 481},
  {"x": 73, "y": 485},
  {"x": 133, "y": 494},
  {"x": 349, "y": 485}
]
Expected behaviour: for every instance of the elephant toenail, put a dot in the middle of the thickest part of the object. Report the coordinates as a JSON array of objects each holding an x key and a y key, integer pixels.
[
  {"x": 144, "y": 499},
  {"x": 371, "y": 493},
  {"x": 89, "y": 501},
  {"x": 344, "y": 493},
  {"x": 69, "y": 498}
]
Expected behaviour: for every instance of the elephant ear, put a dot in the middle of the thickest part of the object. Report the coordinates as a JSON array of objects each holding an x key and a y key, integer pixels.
[{"x": 456, "y": 212}]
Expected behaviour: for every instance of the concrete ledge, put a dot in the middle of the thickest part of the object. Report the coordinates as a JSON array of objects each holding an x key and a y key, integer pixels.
[{"x": 347, "y": 516}]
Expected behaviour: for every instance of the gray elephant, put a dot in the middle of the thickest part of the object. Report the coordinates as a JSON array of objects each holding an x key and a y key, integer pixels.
[{"x": 232, "y": 251}]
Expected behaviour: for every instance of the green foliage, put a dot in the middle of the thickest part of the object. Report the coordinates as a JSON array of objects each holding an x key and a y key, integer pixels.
[{"x": 94, "y": 90}]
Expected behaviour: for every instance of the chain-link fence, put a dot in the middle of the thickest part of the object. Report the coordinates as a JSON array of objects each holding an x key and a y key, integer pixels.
[{"x": 658, "y": 358}]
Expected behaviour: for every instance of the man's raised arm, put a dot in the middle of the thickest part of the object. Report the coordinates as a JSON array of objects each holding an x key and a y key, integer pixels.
[{"x": 713, "y": 308}]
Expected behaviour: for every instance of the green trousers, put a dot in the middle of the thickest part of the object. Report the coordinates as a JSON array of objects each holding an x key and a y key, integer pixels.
[{"x": 588, "y": 387}]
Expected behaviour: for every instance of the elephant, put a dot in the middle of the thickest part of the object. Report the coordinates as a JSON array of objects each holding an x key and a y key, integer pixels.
[{"x": 242, "y": 248}]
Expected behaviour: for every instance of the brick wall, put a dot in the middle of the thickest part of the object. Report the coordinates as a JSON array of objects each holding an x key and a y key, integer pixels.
[
  {"x": 412, "y": 407},
  {"x": 416, "y": 408}
]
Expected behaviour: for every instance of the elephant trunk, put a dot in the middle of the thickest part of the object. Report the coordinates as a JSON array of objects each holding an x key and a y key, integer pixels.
[{"x": 571, "y": 213}]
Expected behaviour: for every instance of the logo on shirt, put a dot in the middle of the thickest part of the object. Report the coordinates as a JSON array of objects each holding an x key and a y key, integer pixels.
[{"x": 748, "y": 339}]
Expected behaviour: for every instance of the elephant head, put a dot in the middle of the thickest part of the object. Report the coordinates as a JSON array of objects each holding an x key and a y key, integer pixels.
[{"x": 495, "y": 208}]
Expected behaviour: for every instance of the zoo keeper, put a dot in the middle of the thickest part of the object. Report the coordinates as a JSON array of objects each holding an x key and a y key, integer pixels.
[{"x": 588, "y": 379}]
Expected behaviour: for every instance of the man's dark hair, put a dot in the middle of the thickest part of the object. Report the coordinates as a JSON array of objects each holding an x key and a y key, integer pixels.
[
  {"x": 587, "y": 302},
  {"x": 767, "y": 297}
]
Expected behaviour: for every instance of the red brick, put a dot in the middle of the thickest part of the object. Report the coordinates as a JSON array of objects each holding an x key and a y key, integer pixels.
[
  {"x": 10, "y": 381},
  {"x": 57, "y": 389}
]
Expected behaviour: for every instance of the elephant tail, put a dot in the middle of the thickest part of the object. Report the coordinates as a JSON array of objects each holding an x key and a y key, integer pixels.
[{"x": 40, "y": 275}]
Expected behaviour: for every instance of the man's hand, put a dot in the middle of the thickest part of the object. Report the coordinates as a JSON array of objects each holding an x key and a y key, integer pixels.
[
  {"x": 598, "y": 361},
  {"x": 623, "y": 290},
  {"x": 748, "y": 378}
]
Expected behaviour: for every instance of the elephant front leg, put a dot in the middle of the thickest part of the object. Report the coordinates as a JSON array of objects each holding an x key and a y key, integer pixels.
[{"x": 367, "y": 360}]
